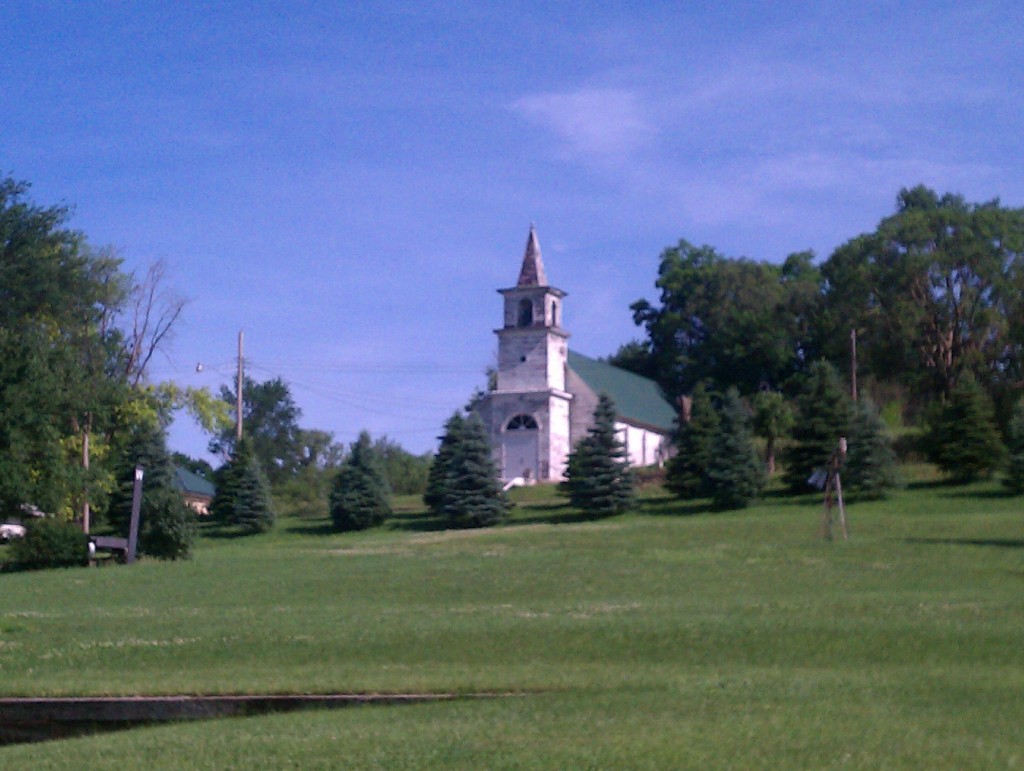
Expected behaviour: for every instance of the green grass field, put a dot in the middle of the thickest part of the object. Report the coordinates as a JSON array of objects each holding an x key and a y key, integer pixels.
[{"x": 669, "y": 638}]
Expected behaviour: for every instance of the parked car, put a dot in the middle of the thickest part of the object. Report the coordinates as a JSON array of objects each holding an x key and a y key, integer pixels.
[{"x": 9, "y": 530}]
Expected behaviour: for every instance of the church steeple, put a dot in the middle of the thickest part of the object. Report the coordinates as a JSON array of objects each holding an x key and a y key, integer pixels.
[{"x": 532, "y": 272}]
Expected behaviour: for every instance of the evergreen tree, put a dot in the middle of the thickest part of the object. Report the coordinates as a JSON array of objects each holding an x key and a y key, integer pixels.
[
  {"x": 735, "y": 474},
  {"x": 166, "y": 523},
  {"x": 871, "y": 465},
  {"x": 686, "y": 471},
  {"x": 438, "y": 479},
  {"x": 964, "y": 441},
  {"x": 598, "y": 479},
  {"x": 824, "y": 414},
  {"x": 464, "y": 488},
  {"x": 243, "y": 493},
  {"x": 360, "y": 497},
  {"x": 1014, "y": 479}
]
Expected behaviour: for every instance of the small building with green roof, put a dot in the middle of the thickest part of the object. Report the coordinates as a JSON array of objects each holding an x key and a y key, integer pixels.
[
  {"x": 196, "y": 490},
  {"x": 545, "y": 394}
]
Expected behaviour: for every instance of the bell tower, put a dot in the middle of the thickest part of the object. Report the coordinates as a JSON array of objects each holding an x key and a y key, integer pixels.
[{"x": 528, "y": 412}]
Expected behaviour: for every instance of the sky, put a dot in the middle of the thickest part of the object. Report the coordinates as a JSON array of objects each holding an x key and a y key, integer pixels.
[{"x": 349, "y": 182}]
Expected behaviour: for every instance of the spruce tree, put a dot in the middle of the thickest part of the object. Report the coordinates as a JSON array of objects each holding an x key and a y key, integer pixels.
[
  {"x": 598, "y": 479},
  {"x": 439, "y": 476},
  {"x": 735, "y": 474},
  {"x": 871, "y": 468},
  {"x": 167, "y": 526},
  {"x": 360, "y": 497},
  {"x": 686, "y": 471},
  {"x": 964, "y": 441},
  {"x": 146, "y": 447},
  {"x": 824, "y": 414},
  {"x": 464, "y": 488},
  {"x": 1014, "y": 478},
  {"x": 243, "y": 493}
]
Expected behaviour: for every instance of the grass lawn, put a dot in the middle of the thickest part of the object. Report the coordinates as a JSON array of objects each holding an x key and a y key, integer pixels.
[{"x": 668, "y": 638}]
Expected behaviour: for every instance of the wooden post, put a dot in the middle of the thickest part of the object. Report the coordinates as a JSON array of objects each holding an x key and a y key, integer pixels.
[
  {"x": 85, "y": 465},
  {"x": 238, "y": 397},
  {"x": 133, "y": 529},
  {"x": 853, "y": 363}
]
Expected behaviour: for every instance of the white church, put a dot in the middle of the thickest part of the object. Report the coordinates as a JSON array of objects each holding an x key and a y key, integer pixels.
[{"x": 546, "y": 394}]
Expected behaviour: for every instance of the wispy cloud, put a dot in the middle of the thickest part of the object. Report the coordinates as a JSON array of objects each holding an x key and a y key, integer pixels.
[{"x": 606, "y": 125}]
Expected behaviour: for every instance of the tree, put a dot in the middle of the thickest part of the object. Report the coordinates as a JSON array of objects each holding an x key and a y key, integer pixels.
[
  {"x": 636, "y": 356},
  {"x": 773, "y": 419},
  {"x": 463, "y": 487},
  {"x": 360, "y": 496},
  {"x": 169, "y": 530},
  {"x": 935, "y": 291},
  {"x": 686, "y": 471},
  {"x": 405, "y": 473},
  {"x": 270, "y": 419},
  {"x": 824, "y": 415},
  {"x": 730, "y": 321},
  {"x": 598, "y": 479},
  {"x": 735, "y": 474},
  {"x": 964, "y": 441},
  {"x": 57, "y": 354},
  {"x": 1014, "y": 476},
  {"x": 243, "y": 493},
  {"x": 146, "y": 447},
  {"x": 870, "y": 469},
  {"x": 167, "y": 527}
]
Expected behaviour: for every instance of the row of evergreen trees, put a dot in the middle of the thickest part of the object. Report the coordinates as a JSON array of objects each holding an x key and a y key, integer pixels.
[{"x": 716, "y": 457}]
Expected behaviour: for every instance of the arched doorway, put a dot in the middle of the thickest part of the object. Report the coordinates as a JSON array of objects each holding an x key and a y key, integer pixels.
[{"x": 519, "y": 448}]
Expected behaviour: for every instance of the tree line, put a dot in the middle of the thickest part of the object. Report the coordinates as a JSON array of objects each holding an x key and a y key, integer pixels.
[{"x": 934, "y": 293}]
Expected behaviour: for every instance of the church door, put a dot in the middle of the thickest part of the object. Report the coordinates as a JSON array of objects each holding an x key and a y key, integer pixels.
[{"x": 520, "y": 449}]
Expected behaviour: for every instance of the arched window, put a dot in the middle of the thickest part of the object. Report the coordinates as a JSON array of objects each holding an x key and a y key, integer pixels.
[
  {"x": 521, "y": 423},
  {"x": 554, "y": 313},
  {"x": 525, "y": 313}
]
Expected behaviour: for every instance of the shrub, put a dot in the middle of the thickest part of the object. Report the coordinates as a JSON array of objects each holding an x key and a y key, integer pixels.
[
  {"x": 51, "y": 543},
  {"x": 168, "y": 529}
]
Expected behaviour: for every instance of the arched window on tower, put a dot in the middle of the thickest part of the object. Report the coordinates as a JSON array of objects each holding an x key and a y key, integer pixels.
[
  {"x": 521, "y": 423},
  {"x": 525, "y": 313},
  {"x": 554, "y": 313}
]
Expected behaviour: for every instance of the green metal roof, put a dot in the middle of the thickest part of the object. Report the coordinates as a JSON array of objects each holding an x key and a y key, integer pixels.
[
  {"x": 187, "y": 482},
  {"x": 636, "y": 398}
]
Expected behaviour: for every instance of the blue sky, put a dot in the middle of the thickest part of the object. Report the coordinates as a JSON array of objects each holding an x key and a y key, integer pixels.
[{"x": 350, "y": 182}]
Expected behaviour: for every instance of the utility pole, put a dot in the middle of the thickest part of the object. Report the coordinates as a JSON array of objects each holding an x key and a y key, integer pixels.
[
  {"x": 238, "y": 397},
  {"x": 853, "y": 363}
]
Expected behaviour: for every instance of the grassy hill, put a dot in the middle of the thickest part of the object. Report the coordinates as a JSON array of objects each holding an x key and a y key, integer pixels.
[{"x": 669, "y": 638}]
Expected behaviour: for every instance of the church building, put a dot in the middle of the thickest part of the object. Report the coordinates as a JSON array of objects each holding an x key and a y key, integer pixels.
[{"x": 545, "y": 394}]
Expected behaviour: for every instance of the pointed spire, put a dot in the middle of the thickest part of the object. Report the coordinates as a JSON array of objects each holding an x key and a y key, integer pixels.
[{"x": 532, "y": 272}]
